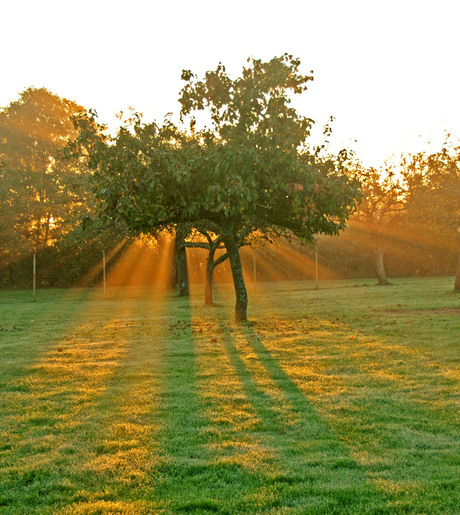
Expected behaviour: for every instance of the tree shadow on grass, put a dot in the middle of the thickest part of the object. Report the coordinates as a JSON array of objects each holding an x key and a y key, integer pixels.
[
  {"x": 371, "y": 394},
  {"x": 29, "y": 331},
  {"x": 121, "y": 435},
  {"x": 312, "y": 469},
  {"x": 190, "y": 477},
  {"x": 46, "y": 415}
]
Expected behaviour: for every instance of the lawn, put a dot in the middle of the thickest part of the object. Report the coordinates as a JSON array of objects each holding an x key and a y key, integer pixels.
[{"x": 338, "y": 400}]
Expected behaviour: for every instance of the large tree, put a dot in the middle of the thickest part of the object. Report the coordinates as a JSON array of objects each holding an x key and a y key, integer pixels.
[
  {"x": 42, "y": 196},
  {"x": 248, "y": 171}
]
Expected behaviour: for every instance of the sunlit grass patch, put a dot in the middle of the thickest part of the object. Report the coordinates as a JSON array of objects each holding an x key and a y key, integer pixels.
[
  {"x": 51, "y": 403},
  {"x": 112, "y": 507},
  {"x": 55, "y": 410}
]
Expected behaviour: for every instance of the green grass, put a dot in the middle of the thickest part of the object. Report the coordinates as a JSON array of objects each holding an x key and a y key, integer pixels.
[{"x": 338, "y": 400}]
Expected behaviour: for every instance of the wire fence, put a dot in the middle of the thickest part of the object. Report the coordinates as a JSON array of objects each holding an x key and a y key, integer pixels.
[{"x": 141, "y": 265}]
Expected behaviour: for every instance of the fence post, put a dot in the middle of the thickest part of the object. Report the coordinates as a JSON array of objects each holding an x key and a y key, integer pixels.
[
  {"x": 104, "y": 281},
  {"x": 316, "y": 266},
  {"x": 34, "y": 277}
]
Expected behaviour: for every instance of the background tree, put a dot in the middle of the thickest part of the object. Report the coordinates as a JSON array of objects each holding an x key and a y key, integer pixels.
[
  {"x": 434, "y": 193},
  {"x": 379, "y": 213},
  {"x": 42, "y": 195},
  {"x": 247, "y": 172}
]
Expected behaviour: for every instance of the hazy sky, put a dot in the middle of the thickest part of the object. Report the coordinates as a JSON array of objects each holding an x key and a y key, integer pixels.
[{"x": 386, "y": 70}]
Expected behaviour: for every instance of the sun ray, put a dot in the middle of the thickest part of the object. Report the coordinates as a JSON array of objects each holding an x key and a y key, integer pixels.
[{"x": 89, "y": 278}]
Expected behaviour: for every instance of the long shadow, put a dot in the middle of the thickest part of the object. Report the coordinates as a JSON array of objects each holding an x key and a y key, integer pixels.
[
  {"x": 121, "y": 435},
  {"x": 46, "y": 424},
  {"x": 189, "y": 477},
  {"x": 29, "y": 330},
  {"x": 182, "y": 455},
  {"x": 317, "y": 472}
]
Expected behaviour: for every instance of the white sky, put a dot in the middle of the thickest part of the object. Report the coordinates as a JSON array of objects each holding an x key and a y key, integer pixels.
[{"x": 387, "y": 70}]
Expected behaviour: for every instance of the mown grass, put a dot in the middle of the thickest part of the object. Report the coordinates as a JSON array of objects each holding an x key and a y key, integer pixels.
[{"x": 338, "y": 400}]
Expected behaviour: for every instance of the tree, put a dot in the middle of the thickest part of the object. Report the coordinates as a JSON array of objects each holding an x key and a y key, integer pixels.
[
  {"x": 205, "y": 238},
  {"x": 187, "y": 236},
  {"x": 434, "y": 193},
  {"x": 264, "y": 182},
  {"x": 42, "y": 196},
  {"x": 378, "y": 213},
  {"x": 248, "y": 171}
]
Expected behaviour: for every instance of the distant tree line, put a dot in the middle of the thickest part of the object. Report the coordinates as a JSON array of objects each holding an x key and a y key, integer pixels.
[{"x": 68, "y": 189}]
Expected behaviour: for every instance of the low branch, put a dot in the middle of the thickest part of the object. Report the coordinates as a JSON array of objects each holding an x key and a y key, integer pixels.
[
  {"x": 220, "y": 259},
  {"x": 197, "y": 245}
]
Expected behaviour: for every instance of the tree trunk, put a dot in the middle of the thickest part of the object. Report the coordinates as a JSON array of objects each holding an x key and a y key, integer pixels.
[
  {"x": 208, "y": 283},
  {"x": 181, "y": 265},
  {"x": 380, "y": 268},
  {"x": 208, "y": 279},
  {"x": 241, "y": 294}
]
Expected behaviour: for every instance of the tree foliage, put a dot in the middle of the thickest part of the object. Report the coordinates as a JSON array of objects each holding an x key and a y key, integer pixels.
[
  {"x": 42, "y": 195},
  {"x": 248, "y": 171},
  {"x": 434, "y": 192}
]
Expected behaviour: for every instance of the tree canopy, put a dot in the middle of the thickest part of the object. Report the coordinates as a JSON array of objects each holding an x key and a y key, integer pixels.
[
  {"x": 434, "y": 192},
  {"x": 39, "y": 190},
  {"x": 250, "y": 170},
  {"x": 236, "y": 168}
]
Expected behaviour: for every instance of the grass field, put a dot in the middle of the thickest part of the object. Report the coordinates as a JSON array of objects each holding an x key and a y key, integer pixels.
[{"x": 338, "y": 400}]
